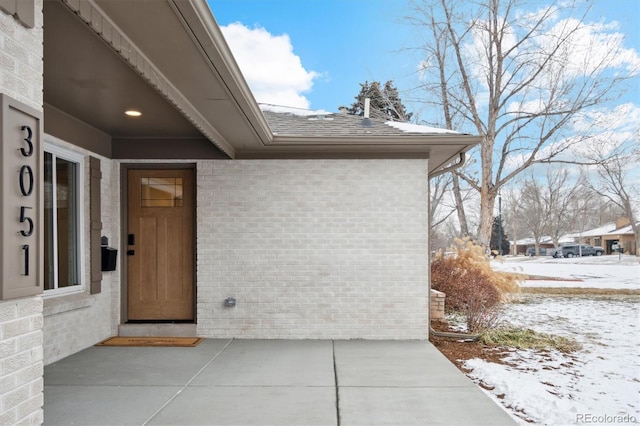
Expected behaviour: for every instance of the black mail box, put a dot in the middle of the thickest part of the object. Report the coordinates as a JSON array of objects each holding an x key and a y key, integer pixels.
[{"x": 109, "y": 256}]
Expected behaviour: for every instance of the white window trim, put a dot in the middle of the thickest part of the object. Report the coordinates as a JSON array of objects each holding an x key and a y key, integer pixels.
[{"x": 52, "y": 145}]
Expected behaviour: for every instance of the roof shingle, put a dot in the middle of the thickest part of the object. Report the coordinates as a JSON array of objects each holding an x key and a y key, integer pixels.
[{"x": 324, "y": 124}]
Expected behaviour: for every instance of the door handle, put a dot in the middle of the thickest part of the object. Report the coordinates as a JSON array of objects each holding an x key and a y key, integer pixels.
[{"x": 131, "y": 252}]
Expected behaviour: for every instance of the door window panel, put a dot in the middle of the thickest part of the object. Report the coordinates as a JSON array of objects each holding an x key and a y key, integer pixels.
[{"x": 161, "y": 192}]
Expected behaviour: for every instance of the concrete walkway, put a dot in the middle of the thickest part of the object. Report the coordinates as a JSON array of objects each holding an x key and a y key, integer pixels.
[{"x": 266, "y": 382}]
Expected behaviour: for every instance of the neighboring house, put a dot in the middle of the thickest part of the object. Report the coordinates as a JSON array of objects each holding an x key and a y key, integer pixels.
[
  {"x": 228, "y": 221},
  {"x": 521, "y": 246},
  {"x": 609, "y": 236}
]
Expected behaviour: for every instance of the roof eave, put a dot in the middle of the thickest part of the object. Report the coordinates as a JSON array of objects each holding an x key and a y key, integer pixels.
[
  {"x": 230, "y": 71},
  {"x": 439, "y": 149},
  {"x": 432, "y": 139}
]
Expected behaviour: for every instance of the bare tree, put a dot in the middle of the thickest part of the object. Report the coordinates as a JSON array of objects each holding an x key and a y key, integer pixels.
[
  {"x": 518, "y": 78},
  {"x": 444, "y": 203},
  {"x": 602, "y": 210},
  {"x": 563, "y": 196},
  {"x": 462, "y": 215},
  {"x": 534, "y": 208},
  {"x": 580, "y": 208},
  {"x": 440, "y": 208},
  {"x": 614, "y": 179},
  {"x": 550, "y": 204},
  {"x": 450, "y": 116},
  {"x": 512, "y": 212}
]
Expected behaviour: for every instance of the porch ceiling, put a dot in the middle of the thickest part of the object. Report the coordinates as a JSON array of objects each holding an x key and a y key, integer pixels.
[
  {"x": 168, "y": 59},
  {"x": 103, "y": 57},
  {"x": 88, "y": 80}
]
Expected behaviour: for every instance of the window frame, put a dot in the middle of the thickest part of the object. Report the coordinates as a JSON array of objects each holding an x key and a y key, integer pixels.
[{"x": 50, "y": 146}]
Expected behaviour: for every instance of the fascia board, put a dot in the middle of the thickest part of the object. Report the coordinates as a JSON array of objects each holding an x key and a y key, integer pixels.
[
  {"x": 381, "y": 147},
  {"x": 431, "y": 140},
  {"x": 215, "y": 46}
]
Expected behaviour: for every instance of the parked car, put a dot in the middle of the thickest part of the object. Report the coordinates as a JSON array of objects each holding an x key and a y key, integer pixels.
[
  {"x": 572, "y": 250},
  {"x": 588, "y": 250},
  {"x": 531, "y": 251},
  {"x": 556, "y": 252}
]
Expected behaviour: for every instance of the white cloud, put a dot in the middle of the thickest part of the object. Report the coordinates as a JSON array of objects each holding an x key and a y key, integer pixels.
[
  {"x": 273, "y": 71},
  {"x": 608, "y": 130},
  {"x": 622, "y": 118},
  {"x": 590, "y": 48},
  {"x": 535, "y": 106},
  {"x": 422, "y": 68},
  {"x": 596, "y": 133}
]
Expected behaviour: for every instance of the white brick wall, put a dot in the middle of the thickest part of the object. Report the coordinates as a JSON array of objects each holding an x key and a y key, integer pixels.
[
  {"x": 21, "y": 65},
  {"x": 313, "y": 249},
  {"x": 21, "y": 384}
]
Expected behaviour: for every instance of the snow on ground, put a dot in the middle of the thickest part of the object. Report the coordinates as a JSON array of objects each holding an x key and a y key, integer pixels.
[
  {"x": 599, "y": 384},
  {"x": 611, "y": 271}
]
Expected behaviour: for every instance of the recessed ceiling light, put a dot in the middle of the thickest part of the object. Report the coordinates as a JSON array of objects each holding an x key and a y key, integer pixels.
[{"x": 133, "y": 113}]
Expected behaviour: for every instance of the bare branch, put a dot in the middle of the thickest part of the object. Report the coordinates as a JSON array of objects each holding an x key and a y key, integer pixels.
[{"x": 520, "y": 78}]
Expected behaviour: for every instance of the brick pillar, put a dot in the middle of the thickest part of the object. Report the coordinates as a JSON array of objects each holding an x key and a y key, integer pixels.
[{"x": 437, "y": 304}]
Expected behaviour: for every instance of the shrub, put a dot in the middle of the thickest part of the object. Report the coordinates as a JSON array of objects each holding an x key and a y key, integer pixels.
[
  {"x": 464, "y": 274},
  {"x": 479, "y": 317}
]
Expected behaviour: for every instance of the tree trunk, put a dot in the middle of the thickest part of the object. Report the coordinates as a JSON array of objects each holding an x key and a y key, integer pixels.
[
  {"x": 487, "y": 193},
  {"x": 487, "y": 201},
  {"x": 636, "y": 230},
  {"x": 462, "y": 217},
  {"x": 633, "y": 221}
]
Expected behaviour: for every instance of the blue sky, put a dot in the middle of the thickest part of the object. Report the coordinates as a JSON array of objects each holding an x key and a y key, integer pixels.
[
  {"x": 342, "y": 43},
  {"x": 345, "y": 41}
]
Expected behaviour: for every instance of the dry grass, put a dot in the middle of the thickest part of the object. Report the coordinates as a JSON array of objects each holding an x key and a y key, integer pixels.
[
  {"x": 580, "y": 291},
  {"x": 524, "y": 338},
  {"x": 467, "y": 255},
  {"x": 472, "y": 287}
]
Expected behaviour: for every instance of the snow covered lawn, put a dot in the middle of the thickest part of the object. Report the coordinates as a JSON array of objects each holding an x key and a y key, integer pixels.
[
  {"x": 611, "y": 271},
  {"x": 600, "y": 384}
]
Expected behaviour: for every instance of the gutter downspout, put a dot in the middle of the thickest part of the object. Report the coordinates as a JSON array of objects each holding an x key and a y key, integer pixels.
[
  {"x": 473, "y": 337},
  {"x": 462, "y": 157}
]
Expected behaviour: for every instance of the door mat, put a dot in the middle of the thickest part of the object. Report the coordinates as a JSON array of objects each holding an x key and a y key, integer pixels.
[{"x": 152, "y": 341}]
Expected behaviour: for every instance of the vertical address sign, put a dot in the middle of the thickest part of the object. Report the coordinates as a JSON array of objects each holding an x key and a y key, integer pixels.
[{"x": 21, "y": 200}]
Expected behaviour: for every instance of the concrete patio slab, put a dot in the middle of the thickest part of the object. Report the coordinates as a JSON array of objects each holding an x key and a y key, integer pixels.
[
  {"x": 104, "y": 405},
  {"x": 394, "y": 363},
  {"x": 252, "y": 405},
  {"x": 130, "y": 366},
  {"x": 446, "y": 406},
  {"x": 271, "y": 363},
  {"x": 265, "y": 382}
]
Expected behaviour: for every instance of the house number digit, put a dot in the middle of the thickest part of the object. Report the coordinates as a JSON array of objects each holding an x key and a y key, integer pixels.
[
  {"x": 25, "y": 218},
  {"x": 26, "y": 170},
  {"x": 28, "y": 140},
  {"x": 25, "y": 248}
]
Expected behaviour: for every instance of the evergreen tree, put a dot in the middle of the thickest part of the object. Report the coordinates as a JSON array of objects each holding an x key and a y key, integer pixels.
[
  {"x": 385, "y": 102},
  {"x": 496, "y": 229}
]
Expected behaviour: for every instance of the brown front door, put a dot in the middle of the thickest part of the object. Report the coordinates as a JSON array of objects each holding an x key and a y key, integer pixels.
[{"x": 160, "y": 245}]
